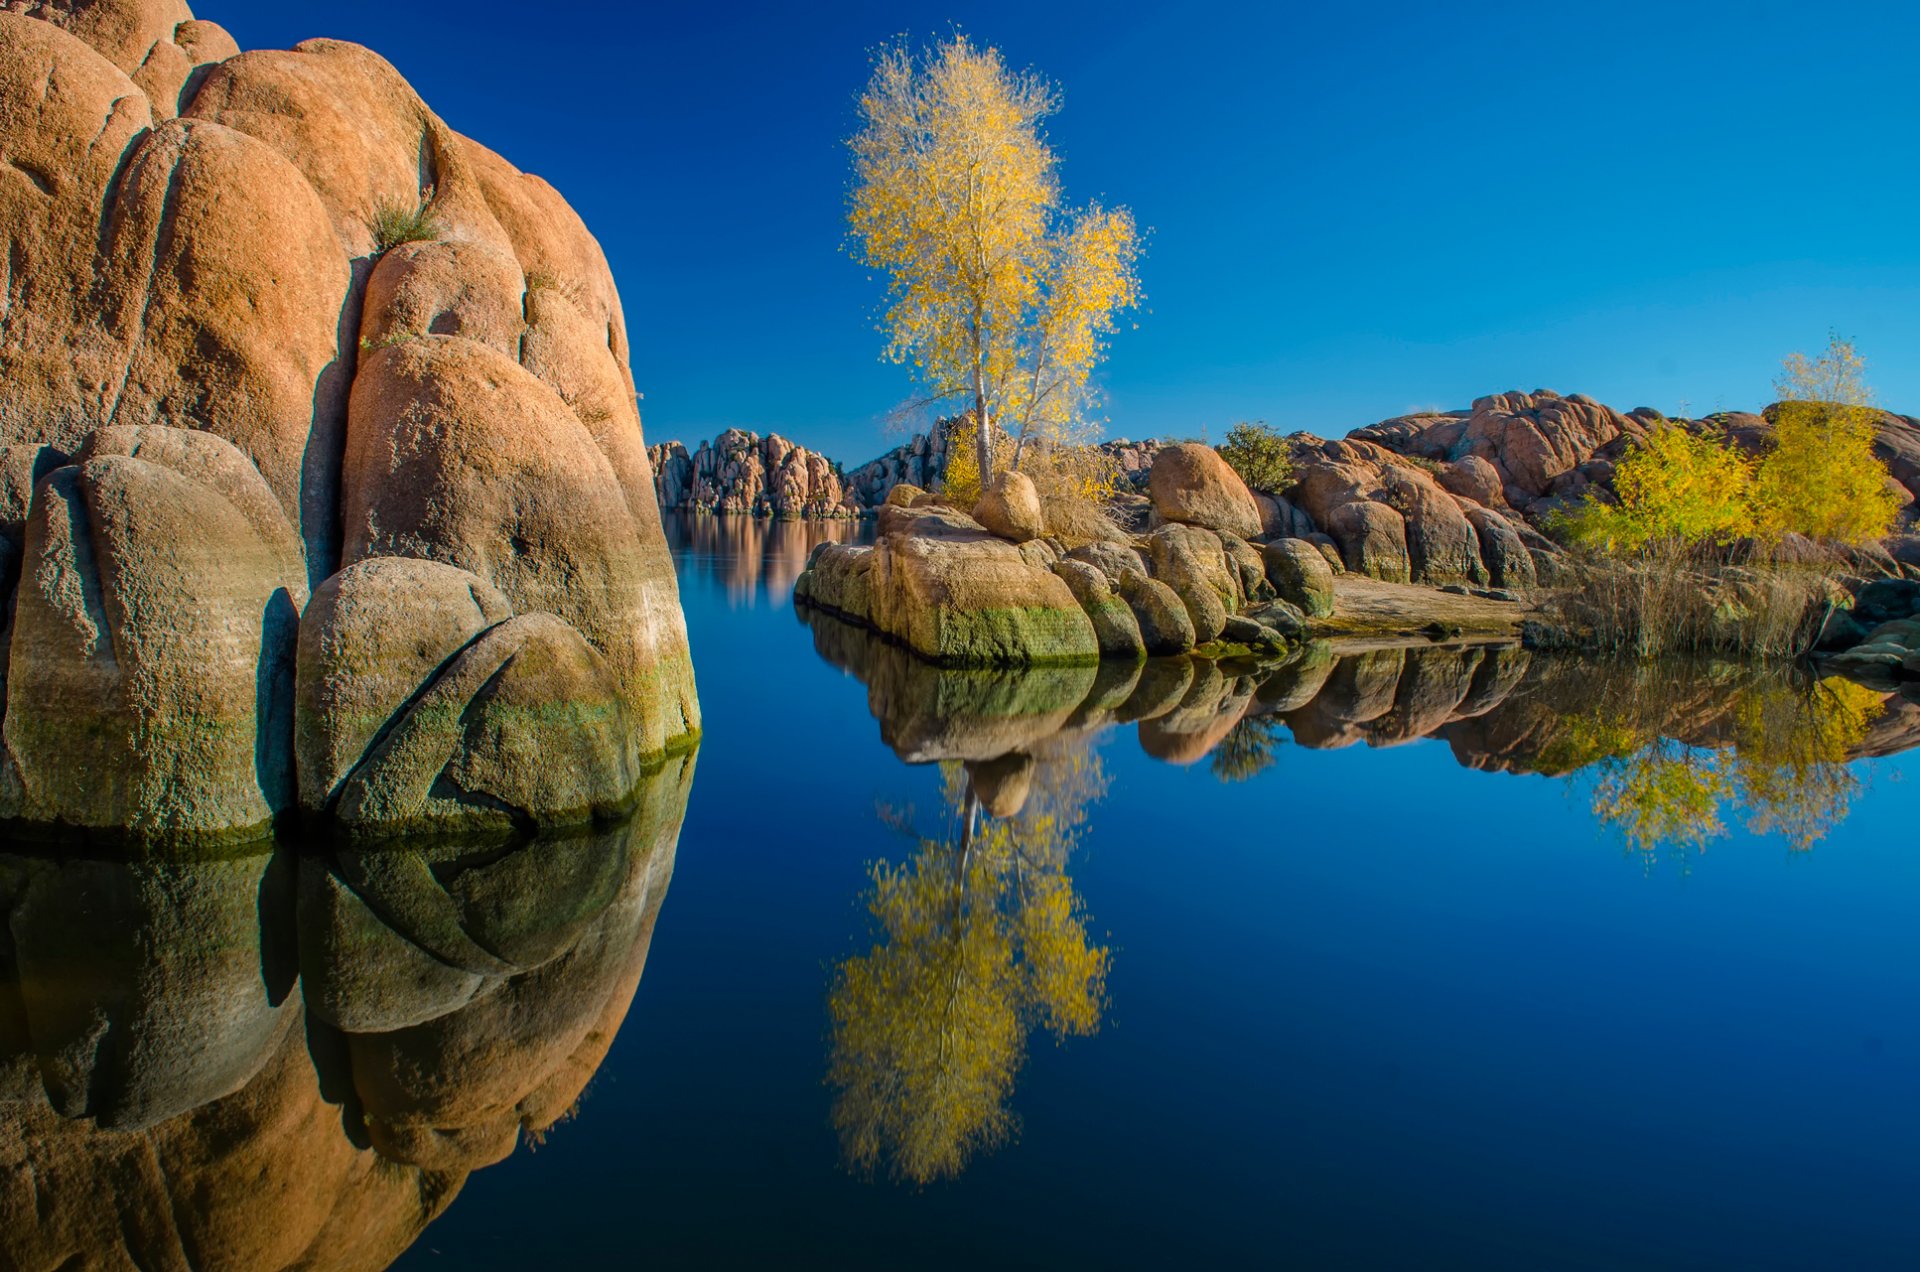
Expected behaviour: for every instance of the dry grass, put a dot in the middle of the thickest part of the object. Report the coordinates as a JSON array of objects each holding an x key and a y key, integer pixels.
[
  {"x": 1695, "y": 603},
  {"x": 396, "y": 223}
]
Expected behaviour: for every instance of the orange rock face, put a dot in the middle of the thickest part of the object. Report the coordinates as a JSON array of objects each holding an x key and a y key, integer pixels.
[{"x": 411, "y": 348}]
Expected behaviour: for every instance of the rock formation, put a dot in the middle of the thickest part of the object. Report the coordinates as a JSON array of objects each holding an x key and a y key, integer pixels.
[
  {"x": 268, "y": 323},
  {"x": 1191, "y": 484},
  {"x": 958, "y": 594},
  {"x": 1461, "y": 497}
]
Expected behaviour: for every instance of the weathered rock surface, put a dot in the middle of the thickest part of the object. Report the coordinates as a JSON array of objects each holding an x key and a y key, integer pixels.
[
  {"x": 1299, "y": 574},
  {"x": 253, "y": 391},
  {"x": 151, "y": 658},
  {"x": 1166, "y": 624},
  {"x": 1190, "y": 483},
  {"x": 1114, "y": 625},
  {"x": 960, "y": 596}
]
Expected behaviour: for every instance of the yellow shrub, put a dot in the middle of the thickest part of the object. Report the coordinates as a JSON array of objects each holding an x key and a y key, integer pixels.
[{"x": 1677, "y": 489}]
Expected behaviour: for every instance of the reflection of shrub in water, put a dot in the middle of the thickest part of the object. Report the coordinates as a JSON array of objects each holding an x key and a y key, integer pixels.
[
  {"x": 980, "y": 939},
  {"x": 1776, "y": 747}
]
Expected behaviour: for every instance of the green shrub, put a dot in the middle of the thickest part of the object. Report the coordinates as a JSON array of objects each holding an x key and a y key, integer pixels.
[
  {"x": 1262, "y": 457},
  {"x": 395, "y": 223}
]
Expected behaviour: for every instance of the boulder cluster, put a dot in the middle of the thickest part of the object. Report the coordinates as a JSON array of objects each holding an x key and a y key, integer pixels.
[
  {"x": 744, "y": 473},
  {"x": 1461, "y": 496},
  {"x": 322, "y": 482},
  {"x": 995, "y": 588},
  {"x": 1455, "y": 498}
]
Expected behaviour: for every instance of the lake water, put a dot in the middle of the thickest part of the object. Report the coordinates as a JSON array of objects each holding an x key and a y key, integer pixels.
[{"x": 1386, "y": 958}]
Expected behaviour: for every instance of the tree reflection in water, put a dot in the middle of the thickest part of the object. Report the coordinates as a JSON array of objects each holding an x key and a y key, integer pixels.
[
  {"x": 979, "y": 939},
  {"x": 1775, "y": 746},
  {"x": 1667, "y": 750}
]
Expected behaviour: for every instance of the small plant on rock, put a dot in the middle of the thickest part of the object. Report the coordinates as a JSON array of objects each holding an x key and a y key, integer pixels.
[{"x": 395, "y": 223}]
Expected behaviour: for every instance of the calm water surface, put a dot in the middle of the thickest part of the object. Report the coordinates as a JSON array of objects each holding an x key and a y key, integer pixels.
[
  {"x": 1367, "y": 1006},
  {"x": 1382, "y": 959}
]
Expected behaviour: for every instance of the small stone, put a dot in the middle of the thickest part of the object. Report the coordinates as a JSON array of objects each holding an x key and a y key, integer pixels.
[{"x": 1010, "y": 508}]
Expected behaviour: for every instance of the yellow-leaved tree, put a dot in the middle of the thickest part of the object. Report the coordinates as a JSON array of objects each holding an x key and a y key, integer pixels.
[
  {"x": 1821, "y": 478},
  {"x": 1002, "y": 298}
]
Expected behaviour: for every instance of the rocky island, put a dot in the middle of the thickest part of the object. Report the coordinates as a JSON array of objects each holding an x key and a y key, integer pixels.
[
  {"x": 1420, "y": 525},
  {"x": 322, "y": 481}
]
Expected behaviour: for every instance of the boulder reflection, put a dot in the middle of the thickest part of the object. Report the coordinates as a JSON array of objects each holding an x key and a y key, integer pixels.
[
  {"x": 1669, "y": 752},
  {"x": 296, "y": 1058}
]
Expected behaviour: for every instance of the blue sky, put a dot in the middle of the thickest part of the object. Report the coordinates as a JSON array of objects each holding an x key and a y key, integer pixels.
[{"x": 1356, "y": 210}]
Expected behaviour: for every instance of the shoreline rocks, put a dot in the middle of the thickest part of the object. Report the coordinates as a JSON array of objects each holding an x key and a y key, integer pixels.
[{"x": 944, "y": 586}]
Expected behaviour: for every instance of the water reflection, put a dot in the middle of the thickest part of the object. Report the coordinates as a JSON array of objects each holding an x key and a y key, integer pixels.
[
  {"x": 1669, "y": 754},
  {"x": 296, "y": 1058},
  {"x": 979, "y": 939},
  {"x": 1668, "y": 751},
  {"x": 751, "y": 556}
]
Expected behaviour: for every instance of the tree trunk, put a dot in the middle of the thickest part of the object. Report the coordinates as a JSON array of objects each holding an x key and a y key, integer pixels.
[
  {"x": 982, "y": 432},
  {"x": 982, "y": 424}
]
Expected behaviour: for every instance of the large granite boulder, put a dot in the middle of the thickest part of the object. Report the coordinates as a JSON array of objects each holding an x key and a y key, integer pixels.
[
  {"x": 1190, "y": 483},
  {"x": 959, "y": 596},
  {"x": 1114, "y": 625},
  {"x": 151, "y": 658},
  {"x": 1166, "y": 623},
  {"x": 282, "y": 319},
  {"x": 1192, "y": 562}
]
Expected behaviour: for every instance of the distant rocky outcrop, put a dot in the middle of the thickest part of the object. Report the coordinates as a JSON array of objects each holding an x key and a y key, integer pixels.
[
  {"x": 269, "y": 325},
  {"x": 742, "y": 472}
]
